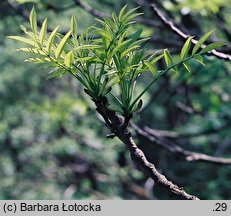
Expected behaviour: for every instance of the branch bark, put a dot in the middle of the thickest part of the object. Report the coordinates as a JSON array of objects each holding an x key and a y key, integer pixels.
[{"x": 116, "y": 125}]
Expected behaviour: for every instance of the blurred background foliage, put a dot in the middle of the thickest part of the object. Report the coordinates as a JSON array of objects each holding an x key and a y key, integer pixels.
[{"x": 53, "y": 144}]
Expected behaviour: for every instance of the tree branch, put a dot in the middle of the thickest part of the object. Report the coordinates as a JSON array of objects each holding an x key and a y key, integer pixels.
[
  {"x": 184, "y": 36},
  {"x": 115, "y": 124},
  {"x": 179, "y": 151},
  {"x": 174, "y": 135}
]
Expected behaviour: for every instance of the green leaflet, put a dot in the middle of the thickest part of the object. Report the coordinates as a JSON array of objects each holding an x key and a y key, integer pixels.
[
  {"x": 151, "y": 67},
  {"x": 115, "y": 18},
  {"x": 135, "y": 35},
  {"x": 73, "y": 26},
  {"x": 106, "y": 91},
  {"x": 23, "y": 28},
  {"x": 115, "y": 108},
  {"x": 156, "y": 59},
  {"x": 187, "y": 66},
  {"x": 43, "y": 31},
  {"x": 175, "y": 69},
  {"x": 32, "y": 50},
  {"x": 120, "y": 47},
  {"x": 61, "y": 45},
  {"x": 135, "y": 44},
  {"x": 130, "y": 15},
  {"x": 51, "y": 39},
  {"x": 69, "y": 58},
  {"x": 86, "y": 46},
  {"x": 22, "y": 39},
  {"x": 33, "y": 20},
  {"x": 212, "y": 46},
  {"x": 201, "y": 41},
  {"x": 104, "y": 33},
  {"x": 109, "y": 23},
  {"x": 85, "y": 59},
  {"x": 38, "y": 60},
  {"x": 116, "y": 105},
  {"x": 56, "y": 73},
  {"x": 138, "y": 107},
  {"x": 129, "y": 50},
  {"x": 200, "y": 59},
  {"x": 122, "y": 12},
  {"x": 167, "y": 57},
  {"x": 185, "y": 49}
]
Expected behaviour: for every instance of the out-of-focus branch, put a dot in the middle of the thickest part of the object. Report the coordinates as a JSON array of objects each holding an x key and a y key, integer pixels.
[
  {"x": 192, "y": 110},
  {"x": 189, "y": 110},
  {"x": 179, "y": 151},
  {"x": 184, "y": 36},
  {"x": 116, "y": 125},
  {"x": 171, "y": 134}
]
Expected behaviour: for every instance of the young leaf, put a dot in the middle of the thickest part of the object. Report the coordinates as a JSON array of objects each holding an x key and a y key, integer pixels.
[
  {"x": 212, "y": 46},
  {"x": 108, "y": 22},
  {"x": 89, "y": 92},
  {"x": 151, "y": 67},
  {"x": 122, "y": 12},
  {"x": 187, "y": 66},
  {"x": 114, "y": 18},
  {"x": 33, "y": 20},
  {"x": 43, "y": 31},
  {"x": 129, "y": 50},
  {"x": 85, "y": 59},
  {"x": 32, "y": 50},
  {"x": 200, "y": 59},
  {"x": 167, "y": 57},
  {"x": 186, "y": 48},
  {"x": 87, "y": 46},
  {"x": 130, "y": 15},
  {"x": 104, "y": 33},
  {"x": 132, "y": 45},
  {"x": 106, "y": 91},
  {"x": 201, "y": 41},
  {"x": 156, "y": 59},
  {"x": 175, "y": 69},
  {"x": 51, "y": 39},
  {"x": 73, "y": 26},
  {"x": 56, "y": 73},
  {"x": 23, "y": 28},
  {"x": 61, "y": 45},
  {"x": 115, "y": 108},
  {"x": 139, "y": 106},
  {"x": 38, "y": 60},
  {"x": 115, "y": 104},
  {"x": 120, "y": 47},
  {"x": 68, "y": 59},
  {"x": 135, "y": 35},
  {"x": 22, "y": 39}
]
